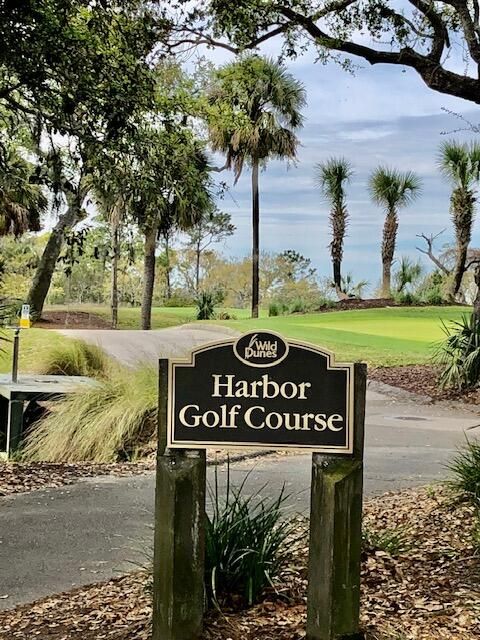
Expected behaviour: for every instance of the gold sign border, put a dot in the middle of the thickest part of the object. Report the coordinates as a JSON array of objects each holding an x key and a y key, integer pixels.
[{"x": 331, "y": 365}]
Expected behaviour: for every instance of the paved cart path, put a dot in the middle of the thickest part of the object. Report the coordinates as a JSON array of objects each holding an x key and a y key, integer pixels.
[{"x": 56, "y": 539}]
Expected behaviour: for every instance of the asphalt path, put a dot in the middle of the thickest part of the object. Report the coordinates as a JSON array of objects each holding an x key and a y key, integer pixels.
[{"x": 53, "y": 540}]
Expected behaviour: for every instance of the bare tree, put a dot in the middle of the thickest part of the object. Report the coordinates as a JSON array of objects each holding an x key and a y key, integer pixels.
[{"x": 429, "y": 251}]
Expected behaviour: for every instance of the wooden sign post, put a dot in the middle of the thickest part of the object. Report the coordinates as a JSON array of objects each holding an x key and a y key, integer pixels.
[{"x": 260, "y": 391}]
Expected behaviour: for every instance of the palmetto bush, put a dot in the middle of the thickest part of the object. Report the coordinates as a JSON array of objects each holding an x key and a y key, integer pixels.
[
  {"x": 205, "y": 305},
  {"x": 245, "y": 544},
  {"x": 459, "y": 354}
]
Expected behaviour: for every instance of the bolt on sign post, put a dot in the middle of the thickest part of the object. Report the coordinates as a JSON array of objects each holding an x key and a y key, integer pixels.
[{"x": 260, "y": 390}]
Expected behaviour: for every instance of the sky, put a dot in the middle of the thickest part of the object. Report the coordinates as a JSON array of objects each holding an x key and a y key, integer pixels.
[{"x": 382, "y": 115}]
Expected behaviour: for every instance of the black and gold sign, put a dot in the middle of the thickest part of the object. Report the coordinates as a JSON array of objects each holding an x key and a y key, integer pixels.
[{"x": 261, "y": 391}]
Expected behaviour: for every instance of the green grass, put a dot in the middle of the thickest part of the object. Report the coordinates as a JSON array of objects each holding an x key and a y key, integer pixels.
[
  {"x": 35, "y": 345},
  {"x": 390, "y": 336},
  {"x": 162, "y": 317}
]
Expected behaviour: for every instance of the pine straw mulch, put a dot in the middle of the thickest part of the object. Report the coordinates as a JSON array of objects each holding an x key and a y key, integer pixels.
[
  {"x": 20, "y": 477},
  {"x": 430, "y": 591},
  {"x": 421, "y": 380}
]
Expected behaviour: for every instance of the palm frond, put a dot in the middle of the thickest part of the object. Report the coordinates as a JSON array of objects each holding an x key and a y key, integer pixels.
[{"x": 392, "y": 189}]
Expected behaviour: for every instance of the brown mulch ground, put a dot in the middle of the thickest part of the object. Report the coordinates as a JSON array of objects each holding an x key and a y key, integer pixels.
[
  {"x": 19, "y": 477},
  {"x": 429, "y": 590},
  {"x": 71, "y": 320},
  {"x": 422, "y": 380}
]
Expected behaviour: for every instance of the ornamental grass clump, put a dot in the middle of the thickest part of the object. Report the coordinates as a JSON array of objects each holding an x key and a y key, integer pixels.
[
  {"x": 113, "y": 420},
  {"x": 245, "y": 545},
  {"x": 75, "y": 358}
]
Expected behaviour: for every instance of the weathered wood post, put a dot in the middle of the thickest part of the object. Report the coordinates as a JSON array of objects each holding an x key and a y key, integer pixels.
[
  {"x": 333, "y": 603},
  {"x": 178, "y": 572}
]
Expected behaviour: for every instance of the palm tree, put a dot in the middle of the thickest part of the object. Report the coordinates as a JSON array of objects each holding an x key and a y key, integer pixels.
[
  {"x": 264, "y": 102},
  {"x": 22, "y": 202},
  {"x": 392, "y": 189},
  {"x": 460, "y": 163},
  {"x": 331, "y": 177},
  {"x": 408, "y": 273}
]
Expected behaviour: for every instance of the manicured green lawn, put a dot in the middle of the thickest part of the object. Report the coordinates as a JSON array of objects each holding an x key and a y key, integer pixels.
[{"x": 389, "y": 336}]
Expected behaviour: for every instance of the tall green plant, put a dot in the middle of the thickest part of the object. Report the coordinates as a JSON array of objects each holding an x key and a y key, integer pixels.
[
  {"x": 331, "y": 177},
  {"x": 392, "y": 189},
  {"x": 264, "y": 102},
  {"x": 245, "y": 543},
  {"x": 460, "y": 164},
  {"x": 408, "y": 272},
  {"x": 459, "y": 354}
]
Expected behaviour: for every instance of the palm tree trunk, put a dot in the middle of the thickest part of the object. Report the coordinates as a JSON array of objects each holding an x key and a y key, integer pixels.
[
  {"x": 462, "y": 207},
  {"x": 458, "y": 270},
  {"x": 388, "y": 251},
  {"x": 114, "y": 299},
  {"x": 46, "y": 267},
  {"x": 255, "y": 239},
  {"x": 476, "y": 302},
  {"x": 148, "y": 275}
]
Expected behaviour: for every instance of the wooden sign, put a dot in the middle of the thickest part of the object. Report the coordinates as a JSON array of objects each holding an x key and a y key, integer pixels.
[{"x": 261, "y": 391}]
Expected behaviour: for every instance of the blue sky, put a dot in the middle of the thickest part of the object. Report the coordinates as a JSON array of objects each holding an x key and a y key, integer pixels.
[{"x": 381, "y": 115}]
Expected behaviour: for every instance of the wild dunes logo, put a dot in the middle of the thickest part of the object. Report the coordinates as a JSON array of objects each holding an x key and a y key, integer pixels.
[{"x": 262, "y": 349}]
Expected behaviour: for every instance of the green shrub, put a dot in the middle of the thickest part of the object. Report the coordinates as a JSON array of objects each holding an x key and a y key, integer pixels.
[
  {"x": 392, "y": 541},
  {"x": 110, "y": 421},
  {"x": 273, "y": 310},
  {"x": 299, "y": 306},
  {"x": 433, "y": 296},
  {"x": 74, "y": 358},
  {"x": 459, "y": 354},
  {"x": 465, "y": 468},
  {"x": 277, "y": 309},
  {"x": 225, "y": 315},
  {"x": 406, "y": 297},
  {"x": 245, "y": 545},
  {"x": 179, "y": 301},
  {"x": 205, "y": 305}
]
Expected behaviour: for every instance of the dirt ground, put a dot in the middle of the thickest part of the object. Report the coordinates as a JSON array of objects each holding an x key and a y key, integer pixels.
[{"x": 71, "y": 320}]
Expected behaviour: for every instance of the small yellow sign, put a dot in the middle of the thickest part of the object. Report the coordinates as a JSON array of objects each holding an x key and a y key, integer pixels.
[{"x": 25, "y": 317}]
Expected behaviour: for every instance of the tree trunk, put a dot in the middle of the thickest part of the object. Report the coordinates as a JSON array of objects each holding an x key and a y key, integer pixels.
[
  {"x": 168, "y": 267},
  {"x": 459, "y": 270},
  {"x": 476, "y": 302},
  {"x": 255, "y": 239},
  {"x": 46, "y": 267},
  {"x": 148, "y": 276},
  {"x": 388, "y": 251},
  {"x": 197, "y": 267},
  {"x": 114, "y": 297}
]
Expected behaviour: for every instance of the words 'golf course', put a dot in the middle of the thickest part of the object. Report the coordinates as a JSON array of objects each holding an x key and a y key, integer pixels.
[{"x": 261, "y": 390}]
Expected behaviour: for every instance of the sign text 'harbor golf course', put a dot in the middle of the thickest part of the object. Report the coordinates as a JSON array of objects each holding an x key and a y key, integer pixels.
[{"x": 261, "y": 391}]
